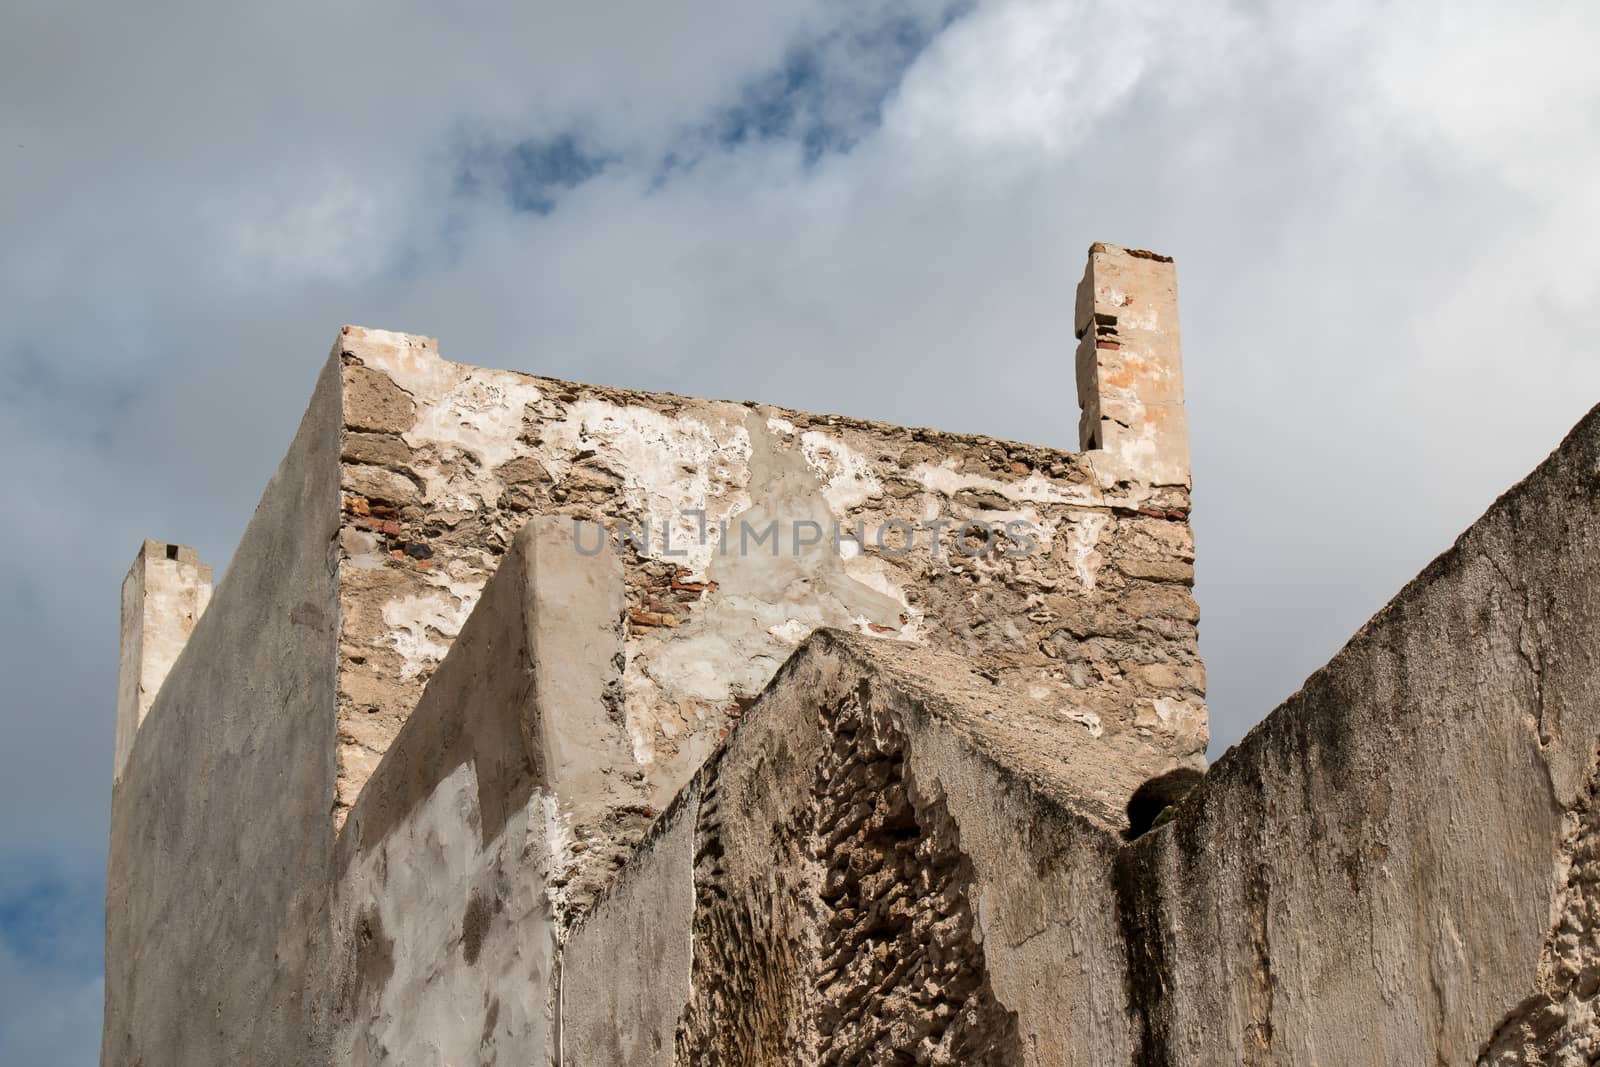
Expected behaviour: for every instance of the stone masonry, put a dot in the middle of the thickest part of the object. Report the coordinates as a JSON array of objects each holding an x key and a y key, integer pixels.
[
  {"x": 546, "y": 723},
  {"x": 1089, "y": 605}
]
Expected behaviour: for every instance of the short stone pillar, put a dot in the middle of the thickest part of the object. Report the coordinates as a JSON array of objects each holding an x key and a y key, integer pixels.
[
  {"x": 163, "y": 596},
  {"x": 1130, "y": 364}
]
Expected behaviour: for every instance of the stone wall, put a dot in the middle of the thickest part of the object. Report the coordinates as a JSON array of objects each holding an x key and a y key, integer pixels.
[
  {"x": 386, "y": 809},
  {"x": 389, "y": 793},
  {"x": 890, "y": 859},
  {"x": 856, "y": 816},
  {"x": 1084, "y": 596}
]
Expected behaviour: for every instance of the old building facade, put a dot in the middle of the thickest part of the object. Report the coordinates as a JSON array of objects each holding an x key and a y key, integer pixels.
[{"x": 541, "y": 723}]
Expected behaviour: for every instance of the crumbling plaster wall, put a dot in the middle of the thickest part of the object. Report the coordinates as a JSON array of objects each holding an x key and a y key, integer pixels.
[
  {"x": 1399, "y": 865},
  {"x": 454, "y": 861},
  {"x": 908, "y": 844},
  {"x": 443, "y": 462},
  {"x": 221, "y": 842}
]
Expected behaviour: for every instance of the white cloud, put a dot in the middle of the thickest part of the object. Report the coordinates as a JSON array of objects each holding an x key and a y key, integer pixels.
[{"x": 1034, "y": 76}]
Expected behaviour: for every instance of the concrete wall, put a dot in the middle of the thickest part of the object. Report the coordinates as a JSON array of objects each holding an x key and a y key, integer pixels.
[
  {"x": 1400, "y": 864},
  {"x": 221, "y": 840}
]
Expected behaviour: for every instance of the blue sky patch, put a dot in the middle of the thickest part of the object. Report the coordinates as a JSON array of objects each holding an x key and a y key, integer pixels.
[
  {"x": 825, "y": 97},
  {"x": 829, "y": 93},
  {"x": 49, "y": 918},
  {"x": 532, "y": 174}
]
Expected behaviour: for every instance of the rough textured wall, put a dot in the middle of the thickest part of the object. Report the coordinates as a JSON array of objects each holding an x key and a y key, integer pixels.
[
  {"x": 1400, "y": 864},
  {"x": 1085, "y": 599},
  {"x": 908, "y": 846},
  {"x": 163, "y": 596},
  {"x": 221, "y": 841},
  {"x": 508, "y": 800},
  {"x": 858, "y": 946},
  {"x": 891, "y": 860}
]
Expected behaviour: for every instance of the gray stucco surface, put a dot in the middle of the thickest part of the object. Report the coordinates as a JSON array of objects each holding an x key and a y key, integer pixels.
[
  {"x": 221, "y": 841},
  {"x": 1398, "y": 865},
  {"x": 626, "y": 971},
  {"x": 448, "y": 938}
]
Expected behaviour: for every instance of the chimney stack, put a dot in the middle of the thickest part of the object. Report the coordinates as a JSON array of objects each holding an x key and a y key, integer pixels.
[
  {"x": 163, "y": 596},
  {"x": 1130, "y": 365}
]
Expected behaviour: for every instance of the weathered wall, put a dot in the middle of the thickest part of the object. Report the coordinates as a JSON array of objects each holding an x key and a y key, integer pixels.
[
  {"x": 626, "y": 972},
  {"x": 163, "y": 596},
  {"x": 221, "y": 839},
  {"x": 436, "y": 851},
  {"x": 1089, "y": 606},
  {"x": 909, "y": 842},
  {"x": 456, "y": 865},
  {"x": 558, "y": 711},
  {"x": 1402, "y": 864},
  {"x": 889, "y": 855}
]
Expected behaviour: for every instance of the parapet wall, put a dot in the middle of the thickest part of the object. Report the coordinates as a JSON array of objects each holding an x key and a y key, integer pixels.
[{"x": 1402, "y": 863}]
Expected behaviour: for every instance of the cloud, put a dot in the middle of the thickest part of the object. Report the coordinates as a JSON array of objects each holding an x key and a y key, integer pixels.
[{"x": 1387, "y": 242}]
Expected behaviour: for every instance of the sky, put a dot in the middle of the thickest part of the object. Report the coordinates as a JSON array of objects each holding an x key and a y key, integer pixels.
[{"x": 1384, "y": 219}]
